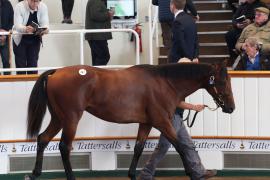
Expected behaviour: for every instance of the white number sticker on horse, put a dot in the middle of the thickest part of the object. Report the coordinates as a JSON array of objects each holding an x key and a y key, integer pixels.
[{"x": 82, "y": 72}]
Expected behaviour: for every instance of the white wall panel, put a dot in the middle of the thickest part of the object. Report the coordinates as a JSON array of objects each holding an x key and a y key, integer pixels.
[
  {"x": 264, "y": 106},
  {"x": 86, "y": 126},
  {"x": 251, "y": 106},
  {"x": 238, "y": 116},
  {"x": 209, "y": 117},
  {"x": 196, "y": 98},
  {"x": 223, "y": 124},
  {"x": 6, "y": 104}
]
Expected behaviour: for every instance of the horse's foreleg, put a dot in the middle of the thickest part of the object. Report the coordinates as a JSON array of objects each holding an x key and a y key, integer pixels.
[
  {"x": 42, "y": 142},
  {"x": 143, "y": 133}
]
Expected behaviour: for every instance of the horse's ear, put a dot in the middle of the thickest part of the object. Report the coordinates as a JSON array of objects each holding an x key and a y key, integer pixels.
[
  {"x": 224, "y": 63},
  {"x": 220, "y": 64}
]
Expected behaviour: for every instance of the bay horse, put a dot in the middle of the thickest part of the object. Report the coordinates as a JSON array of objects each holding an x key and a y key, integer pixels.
[{"x": 144, "y": 94}]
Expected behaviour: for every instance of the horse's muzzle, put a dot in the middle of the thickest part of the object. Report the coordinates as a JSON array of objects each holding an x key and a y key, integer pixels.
[{"x": 228, "y": 110}]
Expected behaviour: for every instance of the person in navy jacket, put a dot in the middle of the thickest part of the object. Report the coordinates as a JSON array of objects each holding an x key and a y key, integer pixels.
[
  {"x": 184, "y": 37},
  {"x": 166, "y": 18}
]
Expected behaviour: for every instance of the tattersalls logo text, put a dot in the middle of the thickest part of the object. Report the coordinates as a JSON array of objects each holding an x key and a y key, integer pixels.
[
  {"x": 82, "y": 145},
  {"x": 215, "y": 145},
  {"x": 3, "y": 148},
  {"x": 258, "y": 145}
]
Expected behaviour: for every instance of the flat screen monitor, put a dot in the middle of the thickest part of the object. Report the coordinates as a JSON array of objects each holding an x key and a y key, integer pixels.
[{"x": 122, "y": 8}]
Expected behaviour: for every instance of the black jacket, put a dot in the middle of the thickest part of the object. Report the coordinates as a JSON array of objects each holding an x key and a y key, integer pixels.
[
  {"x": 97, "y": 17},
  {"x": 6, "y": 15},
  {"x": 185, "y": 38}
]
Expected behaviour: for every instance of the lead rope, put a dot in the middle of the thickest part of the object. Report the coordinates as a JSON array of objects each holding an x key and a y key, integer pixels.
[{"x": 190, "y": 124}]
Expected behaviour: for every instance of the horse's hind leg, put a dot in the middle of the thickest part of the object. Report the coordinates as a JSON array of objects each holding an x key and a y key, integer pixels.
[
  {"x": 65, "y": 146},
  {"x": 42, "y": 142},
  {"x": 143, "y": 133}
]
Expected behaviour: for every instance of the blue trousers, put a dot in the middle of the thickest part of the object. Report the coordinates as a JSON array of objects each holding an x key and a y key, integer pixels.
[{"x": 190, "y": 158}]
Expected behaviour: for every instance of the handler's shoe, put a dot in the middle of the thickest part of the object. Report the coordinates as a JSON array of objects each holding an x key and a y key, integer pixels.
[
  {"x": 210, "y": 173},
  {"x": 145, "y": 177}
]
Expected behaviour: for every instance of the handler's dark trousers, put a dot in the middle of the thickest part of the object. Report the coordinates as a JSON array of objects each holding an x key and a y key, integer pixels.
[{"x": 191, "y": 160}]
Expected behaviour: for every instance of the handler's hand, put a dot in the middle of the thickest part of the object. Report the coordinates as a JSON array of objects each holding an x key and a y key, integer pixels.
[{"x": 198, "y": 107}]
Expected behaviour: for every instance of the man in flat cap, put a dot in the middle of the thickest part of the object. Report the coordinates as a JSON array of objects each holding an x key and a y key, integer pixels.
[{"x": 259, "y": 29}]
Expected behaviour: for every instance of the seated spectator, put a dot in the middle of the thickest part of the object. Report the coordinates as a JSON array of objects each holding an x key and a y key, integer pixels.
[
  {"x": 6, "y": 23},
  {"x": 67, "y": 6},
  {"x": 251, "y": 58},
  {"x": 247, "y": 11},
  {"x": 259, "y": 29},
  {"x": 26, "y": 47}
]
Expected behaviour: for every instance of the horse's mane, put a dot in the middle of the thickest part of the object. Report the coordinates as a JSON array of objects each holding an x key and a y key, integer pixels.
[{"x": 180, "y": 70}]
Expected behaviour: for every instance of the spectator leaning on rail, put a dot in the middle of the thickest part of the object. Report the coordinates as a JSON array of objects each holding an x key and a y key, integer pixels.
[
  {"x": 98, "y": 17},
  {"x": 247, "y": 10},
  {"x": 259, "y": 29},
  {"x": 6, "y": 23},
  {"x": 26, "y": 47},
  {"x": 252, "y": 59}
]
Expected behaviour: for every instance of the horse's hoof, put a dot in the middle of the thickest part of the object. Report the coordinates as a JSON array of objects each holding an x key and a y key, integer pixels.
[{"x": 29, "y": 177}]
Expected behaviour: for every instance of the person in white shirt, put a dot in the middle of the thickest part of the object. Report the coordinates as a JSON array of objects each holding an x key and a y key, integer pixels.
[{"x": 26, "y": 45}]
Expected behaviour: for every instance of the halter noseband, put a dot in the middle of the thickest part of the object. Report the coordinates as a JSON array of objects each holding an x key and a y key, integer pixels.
[{"x": 218, "y": 98}]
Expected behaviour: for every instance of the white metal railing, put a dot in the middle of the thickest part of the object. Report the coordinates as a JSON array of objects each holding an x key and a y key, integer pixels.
[
  {"x": 82, "y": 33},
  {"x": 153, "y": 30}
]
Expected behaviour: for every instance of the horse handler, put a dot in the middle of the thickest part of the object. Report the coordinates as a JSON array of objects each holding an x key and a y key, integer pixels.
[{"x": 190, "y": 157}]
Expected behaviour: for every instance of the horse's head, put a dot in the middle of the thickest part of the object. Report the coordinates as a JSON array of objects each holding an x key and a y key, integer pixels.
[{"x": 219, "y": 86}]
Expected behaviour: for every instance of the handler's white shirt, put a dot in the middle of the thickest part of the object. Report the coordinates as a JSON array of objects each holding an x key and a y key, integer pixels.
[
  {"x": 178, "y": 12},
  {"x": 21, "y": 15}
]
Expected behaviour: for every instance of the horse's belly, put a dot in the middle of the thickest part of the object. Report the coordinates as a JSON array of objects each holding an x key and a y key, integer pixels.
[{"x": 119, "y": 116}]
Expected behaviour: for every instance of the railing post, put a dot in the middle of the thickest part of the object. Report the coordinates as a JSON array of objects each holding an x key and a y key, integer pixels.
[
  {"x": 81, "y": 48},
  {"x": 150, "y": 33}
]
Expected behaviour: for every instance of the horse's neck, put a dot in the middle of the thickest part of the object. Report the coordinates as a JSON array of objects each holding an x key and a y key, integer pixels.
[{"x": 187, "y": 87}]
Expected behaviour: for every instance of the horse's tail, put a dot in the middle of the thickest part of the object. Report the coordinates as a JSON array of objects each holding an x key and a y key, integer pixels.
[{"x": 37, "y": 105}]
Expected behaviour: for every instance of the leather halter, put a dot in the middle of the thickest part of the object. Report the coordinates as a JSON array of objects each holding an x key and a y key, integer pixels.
[{"x": 218, "y": 99}]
